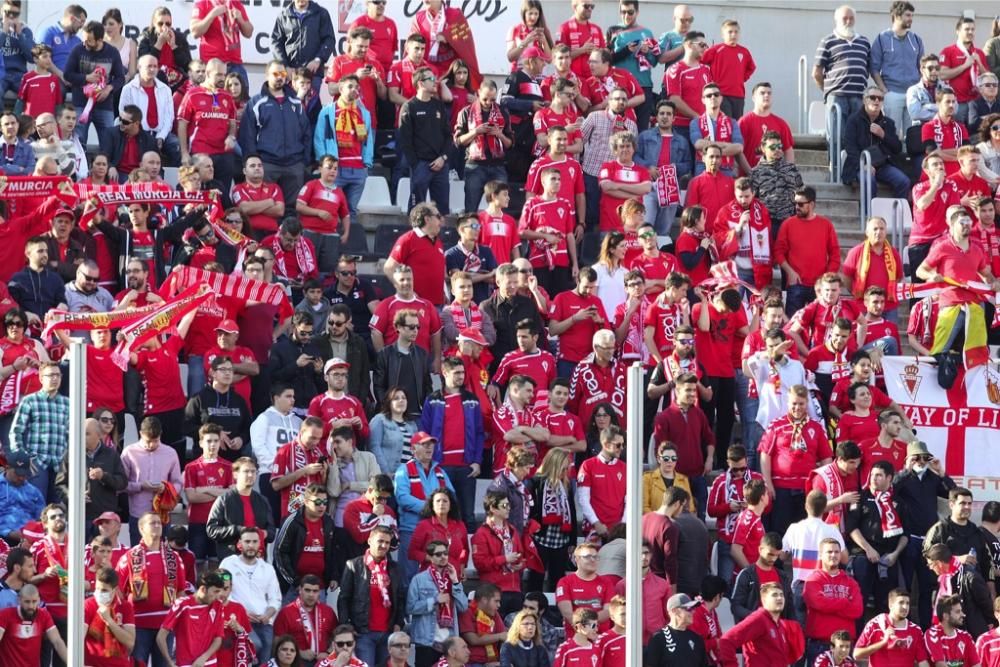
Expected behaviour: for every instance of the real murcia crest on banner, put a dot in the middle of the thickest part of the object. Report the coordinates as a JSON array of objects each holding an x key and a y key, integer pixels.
[
  {"x": 910, "y": 377},
  {"x": 993, "y": 383}
]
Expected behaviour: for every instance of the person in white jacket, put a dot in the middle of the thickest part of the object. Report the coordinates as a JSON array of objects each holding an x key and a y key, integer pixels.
[
  {"x": 255, "y": 586},
  {"x": 137, "y": 92},
  {"x": 274, "y": 427}
]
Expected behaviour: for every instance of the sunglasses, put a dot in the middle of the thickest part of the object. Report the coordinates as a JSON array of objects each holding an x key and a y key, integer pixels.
[
  {"x": 628, "y": 12},
  {"x": 344, "y": 644},
  {"x": 503, "y": 506},
  {"x": 16, "y": 323},
  {"x": 926, "y": 458},
  {"x": 801, "y": 203},
  {"x": 711, "y": 95},
  {"x": 347, "y": 274},
  {"x": 685, "y": 341},
  {"x": 335, "y": 323},
  {"x": 773, "y": 147},
  {"x": 668, "y": 457},
  {"x": 235, "y": 221},
  {"x": 90, "y": 279},
  {"x": 995, "y": 128},
  {"x": 875, "y": 98},
  {"x": 647, "y": 235},
  {"x": 588, "y": 6},
  {"x": 428, "y": 79},
  {"x": 384, "y": 499},
  {"x": 439, "y": 554},
  {"x": 319, "y": 501}
]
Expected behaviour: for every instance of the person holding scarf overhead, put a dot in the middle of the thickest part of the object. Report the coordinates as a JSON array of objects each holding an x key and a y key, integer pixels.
[
  {"x": 434, "y": 601},
  {"x": 448, "y": 37}
]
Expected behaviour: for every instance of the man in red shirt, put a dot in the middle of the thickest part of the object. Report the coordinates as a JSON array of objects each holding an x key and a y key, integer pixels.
[
  {"x": 886, "y": 447},
  {"x": 219, "y": 24},
  {"x": 961, "y": 65},
  {"x": 245, "y": 365},
  {"x": 400, "y": 76},
  {"x": 833, "y": 600},
  {"x": 263, "y": 203},
  {"x": 749, "y": 529},
  {"x": 205, "y": 479},
  {"x": 806, "y": 248},
  {"x": 603, "y": 79},
  {"x": 51, "y": 563},
  {"x": 299, "y": 464},
  {"x": 483, "y": 624},
  {"x": 959, "y": 261},
  {"x": 196, "y": 626},
  {"x": 970, "y": 185},
  {"x": 307, "y": 621},
  {"x": 581, "y": 36},
  {"x": 383, "y": 322},
  {"x": 684, "y": 80},
  {"x": 22, "y": 629},
  {"x": 571, "y": 182},
  {"x": 932, "y": 197},
  {"x": 384, "y": 34},
  {"x": 791, "y": 448},
  {"x": 422, "y": 247},
  {"x": 528, "y": 359},
  {"x": 685, "y": 425},
  {"x": 110, "y": 623},
  {"x": 357, "y": 60},
  {"x": 945, "y": 133},
  {"x": 620, "y": 179},
  {"x": 761, "y": 635},
  {"x": 584, "y": 589},
  {"x": 151, "y": 576},
  {"x": 206, "y": 120},
  {"x": 601, "y": 480},
  {"x": 514, "y": 422},
  {"x": 759, "y": 121},
  {"x": 335, "y": 406},
  {"x": 711, "y": 189},
  {"x": 840, "y": 481},
  {"x": 830, "y": 360},
  {"x": 891, "y": 639},
  {"x": 575, "y": 317},
  {"x": 758, "y": 572},
  {"x": 875, "y": 263},
  {"x": 373, "y": 596},
  {"x": 813, "y": 324},
  {"x": 946, "y": 641}
]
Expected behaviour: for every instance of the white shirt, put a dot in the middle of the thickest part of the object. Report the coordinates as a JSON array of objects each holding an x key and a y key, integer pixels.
[
  {"x": 774, "y": 403},
  {"x": 254, "y": 586}
]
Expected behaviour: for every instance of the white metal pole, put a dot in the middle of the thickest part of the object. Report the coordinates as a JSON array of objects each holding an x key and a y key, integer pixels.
[
  {"x": 633, "y": 511},
  {"x": 77, "y": 506}
]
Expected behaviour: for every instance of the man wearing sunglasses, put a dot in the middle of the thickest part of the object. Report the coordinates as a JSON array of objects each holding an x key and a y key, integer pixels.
[
  {"x": 715, "y": 127},
  {"x": 582, "y": 36},
  {"x": 127, "y": 146},
  {"x": 84, "y": 294},
  {"x": 306, "y": 542},
  {"x": 870, "y": 130}
]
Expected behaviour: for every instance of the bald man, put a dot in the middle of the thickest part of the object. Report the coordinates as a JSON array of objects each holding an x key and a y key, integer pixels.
[
  {"x": 105, "y": 474},
  {"x": 23, "y": 627},
  {"x": 50, "y": 145},
  {"x": 672, "y": 43},
  {"x": 157, "y": 118}
]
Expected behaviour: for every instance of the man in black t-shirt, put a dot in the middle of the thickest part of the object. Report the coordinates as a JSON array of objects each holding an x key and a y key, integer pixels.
[{"x": 676, "y": 644}]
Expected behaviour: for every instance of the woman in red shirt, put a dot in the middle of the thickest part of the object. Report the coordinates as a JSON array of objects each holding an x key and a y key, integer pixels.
[
  {"x": 695, "y": 247},
  {"x": 498, "y": 550},
  {"x": 860, "y": 422},
  {"x": 532, "y": 30},
  {"x": 21, "y": 355},
  {"x": 440, "y": 520},
  {"x": 234, "y": 84},
  {"x": 456, "y": 82}
]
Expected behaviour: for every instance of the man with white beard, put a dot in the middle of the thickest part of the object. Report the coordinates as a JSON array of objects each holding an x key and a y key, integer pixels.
[{"x": 841, "y": 68}]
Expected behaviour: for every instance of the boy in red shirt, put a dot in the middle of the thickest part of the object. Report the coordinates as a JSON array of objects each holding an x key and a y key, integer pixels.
[
  {"x": 579, "y": 649},
  {"x": 498, "y": 230},
  {"x": 41, "y": 91},
  {"x": 195, "y": 623},
  {"x": 205, "y": 479},
  {"x": 323, "y": 209},
  {"x": 732, "y": 66},
  {"x": 547, "y": 222}
]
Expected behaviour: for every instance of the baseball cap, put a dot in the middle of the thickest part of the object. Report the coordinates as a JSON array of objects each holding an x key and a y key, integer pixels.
[
  {"x": 681, "y": 601},
  {"x": 532, "y": 52},
  {"x": 21, "y": 463},
  {"x": 64, "y": 212},
  {"x": 421, "y": 437},
  {"x": 229, "y": 326},
  {"x": 473, "y": 335},
  {"x": 336, "y": 362},
  {"x": 107, "y": 516}
]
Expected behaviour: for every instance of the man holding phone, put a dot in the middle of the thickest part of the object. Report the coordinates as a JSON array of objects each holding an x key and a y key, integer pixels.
[{"x": 356, "y": 61}]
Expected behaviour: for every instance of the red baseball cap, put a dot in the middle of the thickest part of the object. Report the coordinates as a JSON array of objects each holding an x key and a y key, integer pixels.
[
  {"x": 473, "y": 335},
  {"x": 229, "y": 326}
]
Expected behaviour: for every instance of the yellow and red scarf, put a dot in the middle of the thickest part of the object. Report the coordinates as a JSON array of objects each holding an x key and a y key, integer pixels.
[{"x": 866, "y": 262}]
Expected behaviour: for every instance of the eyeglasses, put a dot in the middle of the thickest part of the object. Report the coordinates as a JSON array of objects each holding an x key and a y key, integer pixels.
[
  {"x": 51, "y": 376},
  {"x": 11, "y": 15},
  {"x": 473, "y": 225},
  {"x": 687, "y": 19},
  {"x": 428, "y": 79},
  {"x": 348, "y": 274},
  {"x": 338, "y": 375},
  {"x": 602, "y": 415},
  {"x": 926, "y": 458},
  {"x": 589, "y": 6},
  {"x": 634, "y": 283},
  {"x": 235, "y": 221},
  {"x": 503, "y": 506},
  {"x": 403, "y": 646},
  {"x": 991, "y": 84},
  {"x": 711, "y": 95},
  {"x": 379, "y": 3},
  {"x": 995, "y": 128},
  {"x": 684, "y": 341},
  {"x": 628, "y": 12},
  {"x": 800, "y": 203},
  {"x": 210, "y": 234},
  {"x": 668, "y": 457},
  {"x": 647, "y": 235},
  {"x": 125, "y": 122},
  {"x": 384, "y": 499},
  {"x": 106, "y": 420},
  {"x": 411, "y": 327},
  {"x": 773, "y": 147},
  {"x": 588, "y": 557},
  {"x": 344, "y": 644},
  {"x": 335, "y": 323}
]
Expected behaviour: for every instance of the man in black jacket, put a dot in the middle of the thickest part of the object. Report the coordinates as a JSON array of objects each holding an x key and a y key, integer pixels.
[
  {"x": 424, "y": 139},
  {"x": 305, "y": 543},
  {"x": 339, "y": 340},
  {"x": 404, "y": 364},
  {"x": 374, "y": 573},
  {"x": 227, "y": 519},
  {"x": 105, "y": 476},
  {"x": 746, "y": 591},
  {"x": 960, "y": 534},
  {"x": 968, "y": 584},
  {"x": 127, "y": 146},
  {"x": 297, "y": 361},
  {"x": 871, "y": 130},
  {"x": 218, "y": 403},
  {"x": 506, "y": 308}
]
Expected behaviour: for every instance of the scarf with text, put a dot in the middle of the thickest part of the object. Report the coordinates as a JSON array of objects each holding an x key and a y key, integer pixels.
[
  {"x": 861, "y": 279},
  {"x": 350, "y": 125},
  {"x": 473, "y": 262},
  {"x": 648, "y": 60},
  {"x": 98, "y": 630},
  {"x": 504, "y": 532},
  {"x": 162, "y": 320},
  {"x": 27, "y": 187},
  {"x": 442, "y": 579},
  {"x": 14, "y": 386},
  {"x": 944, "y": 582},
  {"x": 755, "y": 242},
  {"x": 103, "y": 196},
  {"x": 989, "y": 240},
  {"x": 939, "y": 129},
  {"x": 974, "y": 70},
  {"x": 555, "y": 506},
  {"x": 309, "y": 626},
  {"x": 721, "y": 131},
  {"x": 798, "y": 442},
  {"x": 436, "y": 27},
  {"x": 905, "y": 291},
  {"x": 296, "y": 492},
  {"x": 233, "y": 286},
  {"x": 380, "y": 577},
  {"x": 891, "y": 525},
  {"x": 140, "y": 581},
  {"x": 485, "y": 146},
  {"x": 522, "y": 490},
  {"x": 303, "y": 256},
  {"x": 734, "y": 494},
  {"x": 116, "y": 319},
  {"x": 668, "y": 191},
  {"x": 417, "y": 489}
]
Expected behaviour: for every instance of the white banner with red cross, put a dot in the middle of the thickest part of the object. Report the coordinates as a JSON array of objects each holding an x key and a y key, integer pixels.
[{"x": 961, "y": 425}]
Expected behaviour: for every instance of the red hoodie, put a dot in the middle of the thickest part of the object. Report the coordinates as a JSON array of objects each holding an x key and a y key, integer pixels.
[
  {"x": 763, "y": 640},
  {"x": 834, "y": 602}
]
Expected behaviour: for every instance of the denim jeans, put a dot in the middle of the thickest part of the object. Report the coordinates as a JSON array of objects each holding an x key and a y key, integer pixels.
[
  {"x": 798, "y": 601},
  {"x": 262, "y": 636},
  {"x": 372, "y": 648},
  {"x": 797, "y": 297},
  {"x": 893, "y": 177},
  {"x": 43, "y": 480},
  {"x": 198, "y": 542},
  {"x": 849, "y": 105},
  {"x": 725, "y": 565},
  {"x": 408, "y": 566},
  {"x": 352, "y": 181},
  {"x": 748, "y": 417},
  {"x": 661, "y": 217},
  {"x": 424, "y": 179},
  {"x": 145, "y": 649},
  {"x": 103, "y": 120},
  {"x": 699, "y": 489},
  {"x": 476, "y": 178},
  {"x": 465, "y": 492},
  {"x": 889, "y": 346},
  {"x": 565, "y": 368},
  {"x": 196, "y": 374},
  {"x": 593, "y": 198},
  {"x": 895, "y": 108},
  {"x": 326, "y": 249},
  {"x": 873, "y": 586},
  {"x": 170, "y": 153}
]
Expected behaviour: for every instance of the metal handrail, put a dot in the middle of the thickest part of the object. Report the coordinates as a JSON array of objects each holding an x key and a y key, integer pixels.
[
  {"x": 802, "y": 78},
  {"x": 899, "y": 233},
  {"x": 834, "y": 140},
  {"x": 866, "y": 183}
]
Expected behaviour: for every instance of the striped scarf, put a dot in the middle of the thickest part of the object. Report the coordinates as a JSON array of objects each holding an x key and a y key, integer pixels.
[
  {"x": 861, "y": 279},
  {"x": 417, "y": 489}
]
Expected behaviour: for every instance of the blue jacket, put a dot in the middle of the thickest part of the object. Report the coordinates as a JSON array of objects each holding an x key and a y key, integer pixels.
[
  {"x": 21, "y": 504},
  {"x": 296, "y": 41},
  {"x": 648, "y": 152},
  {"x": 410, "y": 506},
  {"x": 386, "y": 442},
  {"x": 278, "y": 133},
  {"x": 24, "y": 159},
  {"x": 325, "y": 136},
  {"x": 432, "y": 421},
  {"x": 421, "y": 607},
  {"x": 16, "y": 52}
]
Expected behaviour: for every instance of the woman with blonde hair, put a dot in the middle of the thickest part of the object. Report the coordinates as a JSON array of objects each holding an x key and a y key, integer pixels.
[
  {"x": 610, "y": 268},
  {"x": 656, "y": 482},
  {"x": 554, "y": 509},
  {"x": 524, "y": 647}
]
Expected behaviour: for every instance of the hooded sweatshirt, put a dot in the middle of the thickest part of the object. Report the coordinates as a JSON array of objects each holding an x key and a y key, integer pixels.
[{"x": 834, "y": 602}]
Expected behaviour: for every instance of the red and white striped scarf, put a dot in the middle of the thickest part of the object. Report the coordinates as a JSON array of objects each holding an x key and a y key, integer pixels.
[
  {"x": 484, "y": 146},
  {"x": 473, "y": 319},
  {"x": 417, "y": 489},
  {"x": 442, "y": 579},
  {"x": 722, "y": 131},
  {"x": 380, "y": 577}
]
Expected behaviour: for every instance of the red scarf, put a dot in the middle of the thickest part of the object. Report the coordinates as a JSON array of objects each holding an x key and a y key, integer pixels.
[
  {"x": 99, "y": 630},
  {"x": 300, "y": 459},
  {"x": 830, "y": 475},
  {"x": 891, "y": 525},
  {"x": 163, "y": 319},
  {"x": 417, "y": 489},
  {"x": 310, "y": 625},
  {"x": 555, "y": 506},
  {"x": 734, "y": 494},
  {"x": 442, "y": 579},
  {"x": 56, "y": 555},
  {"x": 484, "y": 146},
  {"x": 713, "y": 252},
  {"x": 668, "y": 190},
  {"x": 939, "y": 132},
  {"x": 989, "y": 239},
  {"x": 140, "y": 582},
  {"x": 755, "y": 242},
  {"x": 380, "y": 577},
  {"x": 472, "y": 320},
  {"x": 504, "y": 533},
  {"x": 305, "y": 258},
  {"x": 722, "y": 132}
]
